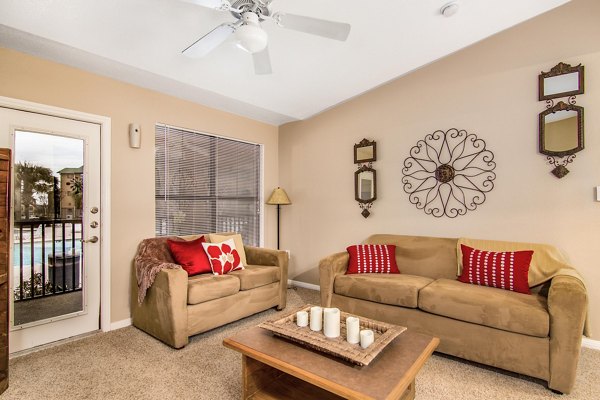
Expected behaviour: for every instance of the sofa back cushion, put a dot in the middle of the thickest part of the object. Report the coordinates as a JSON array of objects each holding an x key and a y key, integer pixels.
[
  {"x": 158, "y": 249},
  {"x": 431, "y": 257}
]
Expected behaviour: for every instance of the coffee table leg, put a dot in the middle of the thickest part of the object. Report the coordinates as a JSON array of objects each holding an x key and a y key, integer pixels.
[
  {"x": 256, "y": 375},
  {"x": 409, "y": 393}
]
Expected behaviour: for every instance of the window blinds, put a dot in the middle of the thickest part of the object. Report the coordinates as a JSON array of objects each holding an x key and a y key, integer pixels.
[{"x": 206, "y": 184}]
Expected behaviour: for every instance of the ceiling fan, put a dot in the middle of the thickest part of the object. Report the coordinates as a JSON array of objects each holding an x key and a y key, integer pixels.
[{"x": 248, "y": 31}]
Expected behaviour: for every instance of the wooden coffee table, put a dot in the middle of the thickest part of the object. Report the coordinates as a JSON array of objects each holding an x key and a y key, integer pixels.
[{"x": 275, "y": 368}]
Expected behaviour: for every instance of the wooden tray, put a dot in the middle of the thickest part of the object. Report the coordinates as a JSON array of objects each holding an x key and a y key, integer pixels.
[{"x": 384, "y": 333}]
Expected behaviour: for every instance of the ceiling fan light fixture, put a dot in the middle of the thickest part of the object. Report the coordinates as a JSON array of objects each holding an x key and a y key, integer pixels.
[{"x": 250, "y": 36}]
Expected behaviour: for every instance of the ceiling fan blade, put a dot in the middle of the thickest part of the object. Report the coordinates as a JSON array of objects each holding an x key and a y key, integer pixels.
[
  {"x": 315, "y": 26},
  {"x": 262, "y": 62},
  {"x": 209, "y": 42},
  {"x": 214, "y": 4}
]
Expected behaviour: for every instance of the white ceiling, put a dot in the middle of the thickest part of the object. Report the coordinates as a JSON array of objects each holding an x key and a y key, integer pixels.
[{"x": 140, "y": 41}]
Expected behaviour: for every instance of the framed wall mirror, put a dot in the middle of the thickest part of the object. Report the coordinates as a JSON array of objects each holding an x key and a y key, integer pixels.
[
  {"x": 365, "y": 185},
  {"x": 561, "y": 135},
  {"x": 561, "y": 130},
  {"x": 562, "y": 80},
  {"x": 365, "y": 152}
]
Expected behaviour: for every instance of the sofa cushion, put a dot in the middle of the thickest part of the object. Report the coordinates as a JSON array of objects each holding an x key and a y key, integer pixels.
[
  {"x": 372, "y": 258},
  {"x": 190, "y": 255},
  {"x": 223, "y": 257},
  {"x": 208, "y": 287},
  {"x": 495, "y": 308},
  {"x": 254, "y": 276},
  {"x": 399, "y": 290},
  {"x": 423, "y": 256},
  {"x": 503, "y": 270},
  {"x": 237, "y": 239}
]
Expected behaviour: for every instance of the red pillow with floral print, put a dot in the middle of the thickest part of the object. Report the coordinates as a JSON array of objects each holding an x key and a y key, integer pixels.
[
  {"x": 223, "y": 257},
  {"x": 190, "y": 255}
]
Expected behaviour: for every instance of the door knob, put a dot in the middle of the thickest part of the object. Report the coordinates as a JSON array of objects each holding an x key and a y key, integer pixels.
[{"x": 93, "y": 239}]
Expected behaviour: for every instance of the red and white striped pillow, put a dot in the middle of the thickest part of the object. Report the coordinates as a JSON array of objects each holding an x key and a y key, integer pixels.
[
  {"x": 504, "y": 270},
  {"x": 372, "y": 258}
]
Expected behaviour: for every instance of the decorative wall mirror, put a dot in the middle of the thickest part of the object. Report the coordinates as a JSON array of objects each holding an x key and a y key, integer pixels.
[
  {"x": 561, "y": 81},
  {"x": 365, "y": 185},
  {"x": 561, "y": 135},
  {"x": 365, "y": 152},
  {"x": 365, "y": 178}
]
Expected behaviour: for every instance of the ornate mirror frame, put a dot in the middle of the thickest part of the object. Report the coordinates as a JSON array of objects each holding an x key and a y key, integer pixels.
[
  {"x": 357, "y": 185},
  {"x": 560, "y": 159},
  {"x": 365, "y": 164},
  {"x": 561, "y": 69},
  {"x": 362, "y": 144}
]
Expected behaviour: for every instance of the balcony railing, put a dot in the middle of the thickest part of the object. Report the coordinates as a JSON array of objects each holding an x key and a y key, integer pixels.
[{"x": 47, "y": 258}]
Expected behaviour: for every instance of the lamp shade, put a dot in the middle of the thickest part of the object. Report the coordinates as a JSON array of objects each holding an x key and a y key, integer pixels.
[{"x": 279, "y": 196}]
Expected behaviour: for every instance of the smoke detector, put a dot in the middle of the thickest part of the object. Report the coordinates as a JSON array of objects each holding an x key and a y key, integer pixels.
[{"x": 450, "y": 9}]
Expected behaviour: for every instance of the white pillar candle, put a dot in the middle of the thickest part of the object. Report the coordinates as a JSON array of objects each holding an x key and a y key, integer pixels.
[
  {"x": 366, "y": 338},
  {"x": 352, "y": 330},
  {"x": 302, "y": 318},
  {"x": 331, "y": 322},
  {"x": 316, "y": 318}
]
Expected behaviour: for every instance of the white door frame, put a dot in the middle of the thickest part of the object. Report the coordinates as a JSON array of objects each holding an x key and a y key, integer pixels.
[{"x": 105, "y": 134}]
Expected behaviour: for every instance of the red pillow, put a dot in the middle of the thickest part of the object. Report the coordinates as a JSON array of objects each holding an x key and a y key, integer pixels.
[
  {"x": 190, "y": 255},
  {"x": 372, "y": 258},
  {"x": 223, "y": 257},
  {"x": 504, "y": 270}
]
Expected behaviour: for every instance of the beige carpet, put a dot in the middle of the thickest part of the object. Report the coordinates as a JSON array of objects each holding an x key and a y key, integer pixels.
[{"x": 128, "y": 364}]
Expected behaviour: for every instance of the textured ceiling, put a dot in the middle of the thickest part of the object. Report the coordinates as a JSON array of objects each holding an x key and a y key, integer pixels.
[{"x": 140, "y": 41}]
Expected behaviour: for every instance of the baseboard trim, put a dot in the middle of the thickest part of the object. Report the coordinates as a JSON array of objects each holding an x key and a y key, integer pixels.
[
  {"x": 590, "y": 343},
  {"x": 120, "y": 324},
  {"x": 304, "y": 285}
]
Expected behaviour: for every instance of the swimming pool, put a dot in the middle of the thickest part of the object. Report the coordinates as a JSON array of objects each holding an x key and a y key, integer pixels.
[{"x": 37, "y": 251}]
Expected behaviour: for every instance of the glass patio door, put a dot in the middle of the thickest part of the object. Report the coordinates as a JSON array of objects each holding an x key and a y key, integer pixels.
[{"x": 55, "y": 276}]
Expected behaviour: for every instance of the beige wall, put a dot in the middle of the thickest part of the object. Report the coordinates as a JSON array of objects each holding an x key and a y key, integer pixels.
[
  {"x": 489, "y": 89},
  {"x": 132, "y": 179}
]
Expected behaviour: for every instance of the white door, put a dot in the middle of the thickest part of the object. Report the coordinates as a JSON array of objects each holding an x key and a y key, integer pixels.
[{"x": 56, "y": 217}]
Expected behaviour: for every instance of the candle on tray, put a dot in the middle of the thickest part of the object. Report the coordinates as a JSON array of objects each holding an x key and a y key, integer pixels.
[
  {"x": 302, "y": 318},
  {"x": 366, "y": 338},
  {"x": 316, "y": 318},
  {"x": 352, "y": 330},
  {"x": 331, "y": 323}
]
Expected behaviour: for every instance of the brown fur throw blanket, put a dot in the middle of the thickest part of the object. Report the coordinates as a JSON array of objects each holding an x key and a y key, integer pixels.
[{"x": 152, "y": 256}]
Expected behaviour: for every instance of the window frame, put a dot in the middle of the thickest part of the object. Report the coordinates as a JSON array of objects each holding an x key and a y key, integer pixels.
[{"x": 261, "y": 183}]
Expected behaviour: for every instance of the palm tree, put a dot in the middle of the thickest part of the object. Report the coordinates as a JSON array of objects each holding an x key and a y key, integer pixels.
[
  {"x": 32, "y": 180},
  {"x": 76, "y": 184}
]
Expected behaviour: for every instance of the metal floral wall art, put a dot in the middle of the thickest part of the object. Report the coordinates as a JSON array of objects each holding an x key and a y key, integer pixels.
[{"x": 449, "y": 173}]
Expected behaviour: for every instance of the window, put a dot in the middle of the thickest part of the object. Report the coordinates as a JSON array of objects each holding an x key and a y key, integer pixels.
[{"x": 206, "y": 184}]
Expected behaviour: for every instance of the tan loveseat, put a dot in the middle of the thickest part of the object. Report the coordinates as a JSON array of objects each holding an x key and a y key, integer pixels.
[
  {"x": 537, "y": 335},
  {"x": 176, "y": 307}
]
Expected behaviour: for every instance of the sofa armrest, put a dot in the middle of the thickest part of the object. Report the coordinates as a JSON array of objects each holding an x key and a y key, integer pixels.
[
  {"x": 329, "y": 267},
  {"x": 567, "y": 305},
  {"x": 277, "y": 258},
  {"x": 163, "y": 313}
]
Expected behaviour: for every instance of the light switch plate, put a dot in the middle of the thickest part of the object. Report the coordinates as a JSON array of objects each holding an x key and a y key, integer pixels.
[{"x": 597, "y": 193}]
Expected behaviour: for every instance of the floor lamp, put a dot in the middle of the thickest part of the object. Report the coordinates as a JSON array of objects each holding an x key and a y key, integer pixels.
[{"x": 279, "y": 198}]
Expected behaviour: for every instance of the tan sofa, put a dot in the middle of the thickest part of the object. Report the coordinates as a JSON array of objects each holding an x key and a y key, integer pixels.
[
  {"x": 537, "y": 335},
  {"x": 176, "y": 307}
]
